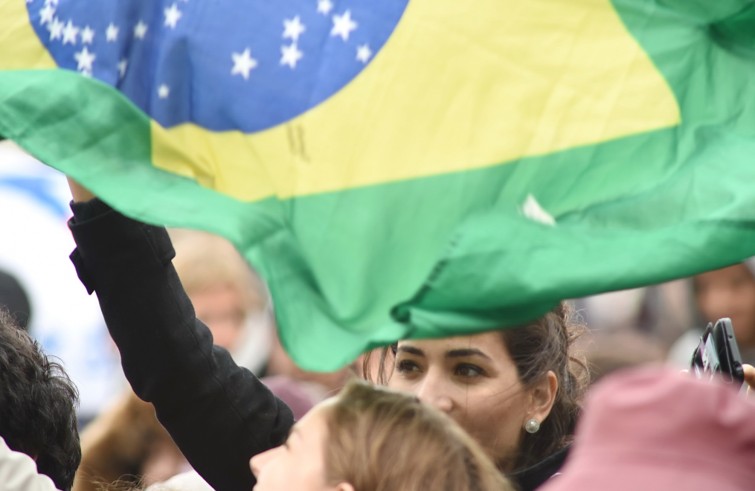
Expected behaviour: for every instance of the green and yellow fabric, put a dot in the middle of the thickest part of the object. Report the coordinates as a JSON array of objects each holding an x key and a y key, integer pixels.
[{"x": 412, "y": 169}]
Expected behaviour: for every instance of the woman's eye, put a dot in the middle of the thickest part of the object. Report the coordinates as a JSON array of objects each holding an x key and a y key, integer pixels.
[
  {"x": 406, "y": 366},
  {"x": 469, "y": 371}
]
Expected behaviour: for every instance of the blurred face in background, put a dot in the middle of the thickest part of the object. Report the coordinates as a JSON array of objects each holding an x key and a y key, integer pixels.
[
  {"x": 224, "y": 309},
  {"x": 729, "y": 292},
  {"x": 225, "y": 292}
]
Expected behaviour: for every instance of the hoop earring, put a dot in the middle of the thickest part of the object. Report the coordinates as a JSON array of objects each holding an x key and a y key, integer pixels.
[{"x": 532, "y": 426}]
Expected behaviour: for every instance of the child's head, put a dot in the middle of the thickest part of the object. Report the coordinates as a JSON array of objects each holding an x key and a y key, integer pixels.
[{"x": 369, "y": 439}]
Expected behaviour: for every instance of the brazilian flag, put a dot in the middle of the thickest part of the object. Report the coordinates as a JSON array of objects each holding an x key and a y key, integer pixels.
[{"x": 405, "y": 168}]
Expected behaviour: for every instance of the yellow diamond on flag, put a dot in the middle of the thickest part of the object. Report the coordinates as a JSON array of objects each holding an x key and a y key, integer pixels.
[{"x": 458, "y": 86}]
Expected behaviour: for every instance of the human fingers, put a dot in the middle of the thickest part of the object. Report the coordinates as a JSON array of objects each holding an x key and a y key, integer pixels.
[{"x": 749, "y": 372}]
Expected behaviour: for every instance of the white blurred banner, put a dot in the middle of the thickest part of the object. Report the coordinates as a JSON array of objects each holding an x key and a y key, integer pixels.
[{"x": 34, "y": 247}]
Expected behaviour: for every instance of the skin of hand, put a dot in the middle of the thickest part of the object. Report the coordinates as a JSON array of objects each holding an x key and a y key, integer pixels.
[
  {"x": 749, "y": 378},
  {"x": 79, "y": 192}
]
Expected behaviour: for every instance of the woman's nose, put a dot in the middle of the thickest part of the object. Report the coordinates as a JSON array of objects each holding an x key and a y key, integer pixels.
[{"x": 432, "y": 391}]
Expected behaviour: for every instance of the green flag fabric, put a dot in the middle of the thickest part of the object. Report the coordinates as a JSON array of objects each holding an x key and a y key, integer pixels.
[{"x": 419, "y": 168}]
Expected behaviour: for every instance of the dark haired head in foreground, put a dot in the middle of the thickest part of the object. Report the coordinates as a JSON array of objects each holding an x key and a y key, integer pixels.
[{"x": 37, "y": 405}]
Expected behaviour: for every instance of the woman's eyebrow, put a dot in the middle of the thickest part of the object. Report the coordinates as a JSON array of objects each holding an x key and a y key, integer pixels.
[
  {"x": 465, "y": 352},
  {"x": 411, "y": 350}
]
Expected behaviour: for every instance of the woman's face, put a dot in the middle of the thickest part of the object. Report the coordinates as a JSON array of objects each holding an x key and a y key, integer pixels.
[
  {"x": 729, "y": 292},
  {"x": 474, "y": 380},
  {"x": 300, "y": 462}
]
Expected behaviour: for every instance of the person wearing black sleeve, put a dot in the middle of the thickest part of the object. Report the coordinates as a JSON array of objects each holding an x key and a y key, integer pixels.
[{"x": 219, "y": 414}]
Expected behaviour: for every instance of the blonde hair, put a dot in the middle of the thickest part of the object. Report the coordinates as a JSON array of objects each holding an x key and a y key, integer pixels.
[
  {"x": 204, "y": 260},
  {"x": 379, "y": 440}
]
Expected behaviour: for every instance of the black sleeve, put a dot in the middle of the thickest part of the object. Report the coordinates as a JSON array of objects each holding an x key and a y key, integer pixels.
[{"x": 219, "y": 414}]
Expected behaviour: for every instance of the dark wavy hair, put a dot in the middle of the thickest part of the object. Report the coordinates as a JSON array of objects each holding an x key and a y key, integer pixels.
[
  {"x": 540, "y": 346},
  {"x": 37, "y": 405}
]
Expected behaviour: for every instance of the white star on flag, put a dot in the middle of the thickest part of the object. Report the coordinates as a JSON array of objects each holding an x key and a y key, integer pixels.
[
  {"x": 87, "y": 35},
  {"x": 51, "y": 2},
  {"x": 163, "y": 91},
  {"x": 243, "y": 63},
  {"x": 324, "y": 6},
  {"x": 140, "y": 30},
  {"x": 122, "y": 65},
  {"x": 70, "y": 33},
  {"x": 364, "y": 53},
  {"x": 172, "y": 14},
  {"x": 56, "y": 29},
  {"x": 84, "y": 59},
  {"x": 293, "y": 28},
  {"x": 46, "y": 14},
  {"x": 111, "y": 33},
  {"x": 343, "y": 25},
  {"x": 290, "y": 55}
]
